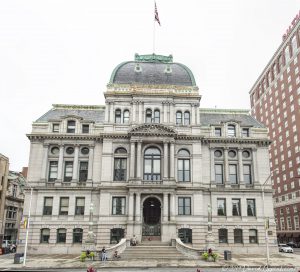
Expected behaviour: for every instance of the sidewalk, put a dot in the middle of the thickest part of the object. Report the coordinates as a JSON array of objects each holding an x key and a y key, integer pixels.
[{"x": 71, "y": 261}]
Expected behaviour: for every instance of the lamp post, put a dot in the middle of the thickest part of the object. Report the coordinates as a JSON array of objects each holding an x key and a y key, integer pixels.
[
  {"x": 27, "y": 227},
  {"x": 266, "y": 219}
]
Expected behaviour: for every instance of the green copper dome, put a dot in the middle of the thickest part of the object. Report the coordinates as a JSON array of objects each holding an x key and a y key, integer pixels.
[{"x": 152, "y": 69}]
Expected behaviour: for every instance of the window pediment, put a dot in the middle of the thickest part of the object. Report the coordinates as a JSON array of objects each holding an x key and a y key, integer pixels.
[{"x": 153, "y": 129}]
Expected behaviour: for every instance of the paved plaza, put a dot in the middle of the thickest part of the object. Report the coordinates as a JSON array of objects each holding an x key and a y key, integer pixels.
[{"x": 72, "y": 263}]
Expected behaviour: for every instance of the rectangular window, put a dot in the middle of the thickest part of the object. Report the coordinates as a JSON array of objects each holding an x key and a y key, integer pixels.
[
  {"x": 61, "y": 235},
  {"x": 185, "y": 235},
  {"x": 120, "y": 169},
  {"x": 231, "y": 131},
  {"x": 85, "y": 128},
  {"x": 68, "y": 171},
  {"x": 251, "y": 209},
  {"x": 253, "y": 236},
  {"x": 118, "y": 205},
  {"x": 223, "y": 236},
  {"x": 53, "y": 167},
  {"x": 238, "y": 236},
  {"x": 83, "y": 171},
  {"x": 183, "y": 170},
  {"x": 11, "y": 212},
  {"x": 245, "y": 132},
  {"x": 48, "y": 204},
  {"x": 77, "y": 236},
  {"x": 55, "y": 127},
  {"x": 296, "y": 222},
  {"x": 184, "y": 205},
  {"x": 71, "y": 126},
  {"x": 247, "y": 174},
  {"x": 219, "y": 173},
  {"x": 45, "y": 235},
  {"x": 79, "y": 208},
  {"x": 218, "y": 132},
  {"x": 64, "y": 206},
  {"x": 233, "y": 173},
  {"x": 221, "y": 206},
  {"x": 236, "y": 207}
]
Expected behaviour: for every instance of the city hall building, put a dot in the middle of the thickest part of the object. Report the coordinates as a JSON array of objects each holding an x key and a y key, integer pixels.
[{"x": 153, "y": 164}]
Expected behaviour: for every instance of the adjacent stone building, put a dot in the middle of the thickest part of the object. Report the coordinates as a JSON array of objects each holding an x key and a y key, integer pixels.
[
  {"x": 4, "y": 168},
  {"x": 152, "y": 163}
]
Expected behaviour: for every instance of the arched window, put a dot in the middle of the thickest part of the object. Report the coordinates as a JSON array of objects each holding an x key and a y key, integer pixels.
[
  {"x": 126, "y": 116},
  {"x": 152, "y": 164},
  {"x": 120, "y": 164},
  {"x": 183, "y": 169},
  {"x": 187, "y": 118},
  {"x": 118, "y": 116},
  {"x": 231, "y": 131},
  {"x": 77, "y": 236},
  {"x": 61, "y": 236},
  {"x": 156, "y": 116},
  {"x": 148, "y": 116},
  {"x": 45, "y": 235},
  {"x": 178, "y": 118}
]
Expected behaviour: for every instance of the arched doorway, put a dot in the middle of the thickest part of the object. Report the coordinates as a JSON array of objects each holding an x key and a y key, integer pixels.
[{"x": 151, "y": 218}]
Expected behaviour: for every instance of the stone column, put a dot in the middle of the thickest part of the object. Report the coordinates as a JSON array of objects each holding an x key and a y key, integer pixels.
[
  {"x": 171, "y": 112},
  {"x": 212, "y": 166},
  {"x": 226, "y": 167},
  {"x": 172, "y": 159},
  {"x": 134, "y": 105},
  {"x": 111, "y": 115},
  {"x": 255, "y": 166},
  {"x": 106, "y": 112},
  {"x": 75, "y": 163},
  {"x": 132, "y": 159},
  {"x": 141, "y": 113},
  {"x": 60, "y": 163},
  {"x": 166, "y": 208},
  {"x": 45, "y": 162},
  {"x": 90, "y": 163},
  {"x": 138, "y": 207},
  {"x": 172, "y": 207},
  {"x": 166, "y": 158},
  {"x": 139, "y": 160},
  {"x": 241, "y": 173},
  {"x": 193, "y": 115},
  {"x": 130, "y": 207}
]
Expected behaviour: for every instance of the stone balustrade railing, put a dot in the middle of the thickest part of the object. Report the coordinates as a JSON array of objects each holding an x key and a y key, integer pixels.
[{"x": 186, "y": 250}]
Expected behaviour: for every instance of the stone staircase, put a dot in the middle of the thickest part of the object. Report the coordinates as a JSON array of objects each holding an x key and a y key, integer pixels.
[{"x": 152, "y": 250}]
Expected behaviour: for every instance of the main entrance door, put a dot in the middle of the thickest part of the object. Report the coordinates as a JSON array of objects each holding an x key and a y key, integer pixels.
[{"x": 151, "y": 218}]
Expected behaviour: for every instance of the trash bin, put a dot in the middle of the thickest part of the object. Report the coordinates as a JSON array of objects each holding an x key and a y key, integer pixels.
[
  {"x": 19, "y": 257},
  {"x": 227, "y": 255}
]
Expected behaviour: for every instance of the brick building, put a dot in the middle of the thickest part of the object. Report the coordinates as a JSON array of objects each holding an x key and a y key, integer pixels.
[{"x": 275, "y": 102}]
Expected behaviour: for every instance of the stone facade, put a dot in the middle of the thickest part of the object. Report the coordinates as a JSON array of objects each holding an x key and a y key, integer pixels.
[
  {"x": 151, "y": 162},
  {"x": 4, "y": 168}
]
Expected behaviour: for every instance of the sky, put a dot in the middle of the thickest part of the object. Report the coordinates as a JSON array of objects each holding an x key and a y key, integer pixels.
[{"x": 64, "y": 51}]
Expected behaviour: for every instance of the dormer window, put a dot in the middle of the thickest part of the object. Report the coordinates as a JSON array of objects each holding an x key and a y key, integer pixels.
[
  {"x": 168, "y": 70},
  {"x": 218, "y": 132},
  {"x": 245, "y": 132},
  {"x": 138, "y": 68},
  {"x": 71, "y": 126},
  {"x": 55, "y": 127},
  {"x": 231, "y": 131},
  {"x": 85, "y": 128}
]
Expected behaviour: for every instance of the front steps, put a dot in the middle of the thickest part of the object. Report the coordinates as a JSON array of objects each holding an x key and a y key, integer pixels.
[{"x": 152, "y": 250}]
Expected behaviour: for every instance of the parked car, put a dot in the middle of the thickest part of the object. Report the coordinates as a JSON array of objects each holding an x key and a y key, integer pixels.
[
  {"x": 292, "y": 244},
  {"x": 285, "y": 248}
]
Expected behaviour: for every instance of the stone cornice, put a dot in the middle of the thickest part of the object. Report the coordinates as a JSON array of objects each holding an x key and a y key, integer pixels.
[
  {"x": 63, "y": 136},
  {"x": 260, "y": 142}
]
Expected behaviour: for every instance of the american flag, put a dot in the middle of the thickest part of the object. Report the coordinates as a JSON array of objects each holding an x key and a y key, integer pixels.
[{"x": 156, "y": 18}]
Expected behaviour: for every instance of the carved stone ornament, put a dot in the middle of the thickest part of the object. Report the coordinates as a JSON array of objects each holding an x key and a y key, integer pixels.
[{"x": 153, "y": 129}]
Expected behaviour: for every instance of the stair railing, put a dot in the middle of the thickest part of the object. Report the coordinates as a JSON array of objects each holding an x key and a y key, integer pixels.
[{"x": 187, "y": 250}]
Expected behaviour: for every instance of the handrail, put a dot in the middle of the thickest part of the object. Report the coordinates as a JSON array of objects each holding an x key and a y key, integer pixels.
[
  {"x": 120, "y": 247},
  {"x": 186, "y": 250}
]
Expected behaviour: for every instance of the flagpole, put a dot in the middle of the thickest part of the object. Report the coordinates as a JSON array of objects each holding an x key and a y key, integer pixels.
[
  {"x": 154, "y": 30},
  {"x": 27, "y": 230}
]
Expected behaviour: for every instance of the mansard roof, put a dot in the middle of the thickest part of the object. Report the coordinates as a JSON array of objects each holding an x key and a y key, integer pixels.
[
  {"x": 152, "y": 70},
  {"x": 88, "y": 113},
  {"x": 219, "y": 116}
]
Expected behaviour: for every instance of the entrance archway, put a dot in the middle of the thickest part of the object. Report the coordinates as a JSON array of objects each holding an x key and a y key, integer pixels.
[{"x": 151, "y": 217}]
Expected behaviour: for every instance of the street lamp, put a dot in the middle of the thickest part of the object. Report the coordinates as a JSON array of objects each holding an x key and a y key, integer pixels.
[
  {"x": 27, "y": 226},
  {"x": 266, "y": 220}
]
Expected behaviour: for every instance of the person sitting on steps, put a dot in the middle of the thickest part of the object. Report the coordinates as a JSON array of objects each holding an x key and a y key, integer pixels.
[
  {"x": 133, "y": 241},
  {"x": 116, "y": 255}
]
